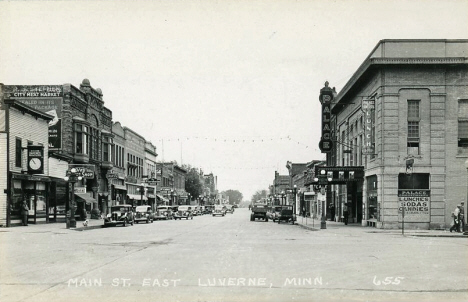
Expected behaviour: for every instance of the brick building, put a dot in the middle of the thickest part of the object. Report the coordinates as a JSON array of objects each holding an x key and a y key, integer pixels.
[
  {"x": 407, "y": 103},
  {"x": 79, "y": 135},
  {"x": 135, "y": 150},
  {"x": 118, "y": 187}
]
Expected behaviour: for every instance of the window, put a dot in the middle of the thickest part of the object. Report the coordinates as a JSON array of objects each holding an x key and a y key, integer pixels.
[
  {"x": 413, "y": 127},
  {"x": 462, "y": 126},
  {"x": 81, "y": 139},
  {"x": 106, "y": 148},
  {"x": 94, "y": 148},
  {"x": 18, "y": 153}
]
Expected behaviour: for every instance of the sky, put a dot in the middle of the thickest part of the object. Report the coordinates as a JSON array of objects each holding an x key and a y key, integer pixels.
[{"x": 230, "y": 86}]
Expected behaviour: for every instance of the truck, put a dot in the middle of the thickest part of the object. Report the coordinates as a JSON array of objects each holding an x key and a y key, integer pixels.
[{"x": 259, "y": 210}]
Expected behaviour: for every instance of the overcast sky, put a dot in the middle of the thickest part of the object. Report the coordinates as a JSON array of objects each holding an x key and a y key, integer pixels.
[{"x": 228, "y": 86}]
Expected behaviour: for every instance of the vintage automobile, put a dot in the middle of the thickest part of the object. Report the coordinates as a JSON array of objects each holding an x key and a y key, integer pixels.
[
  {"x": 274, "y": 212},
  {"x": 194, "y": 210},
  {"x": 219, "y": 210},
  {"x": 286, "y": 214},
  {"x": 229, "y": 209},
  {"x": 120, "y": 214},
  {"x": 184, "y": 212},
  {"x": 144, "y": 213},
  {"x": 259, "y": 210},
  {"x": 163, "y": 212},
  {"x": 208, "y": 209}
]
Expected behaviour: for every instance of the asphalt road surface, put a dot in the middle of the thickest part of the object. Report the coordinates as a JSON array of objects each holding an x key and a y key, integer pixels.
[{"x": 228, "y": 259}]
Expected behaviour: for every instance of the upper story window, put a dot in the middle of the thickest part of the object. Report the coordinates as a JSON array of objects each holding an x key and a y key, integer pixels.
[
  {"x": 81, "y": 139},
  {"x": 413, "y": 127},
  {"x": 94, "y": 146},
  {"x": 107, "y": 146},
  {"x": 18, "y": 153},
  {"x": 462, "y": 126}
]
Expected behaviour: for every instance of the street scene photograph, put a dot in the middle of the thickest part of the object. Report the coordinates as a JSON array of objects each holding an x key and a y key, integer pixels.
[{"x": 228, "y": 151}]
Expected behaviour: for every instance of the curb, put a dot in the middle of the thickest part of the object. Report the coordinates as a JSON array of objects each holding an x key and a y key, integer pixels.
[
  {"x": 307, "y": 227},
  {"x": 88, "y": 228}
]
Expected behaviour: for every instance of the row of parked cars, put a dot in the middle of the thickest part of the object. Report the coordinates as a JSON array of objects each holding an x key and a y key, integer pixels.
[
  {"x": 277, "y": 213},
  {"x": 127, "y": 214}
]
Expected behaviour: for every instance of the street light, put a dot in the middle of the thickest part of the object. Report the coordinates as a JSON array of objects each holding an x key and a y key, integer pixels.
[
  {"x": 188, "y": 199},
  {"x": 294, "y": 204},
  {"x": 463, "y": 224},
  {"x": 172, "y": 197},
  {"x": 283, "y": 197},
  {"x": 72, "y": 177},
  {"x": 142, "y": 191}
]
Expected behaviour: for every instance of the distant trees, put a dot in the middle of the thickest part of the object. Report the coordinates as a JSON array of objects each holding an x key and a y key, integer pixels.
[
  {"x": 193, "y": 184},
  {"x": 259, "y": 195},
  {"x": 235, "y": 197}
]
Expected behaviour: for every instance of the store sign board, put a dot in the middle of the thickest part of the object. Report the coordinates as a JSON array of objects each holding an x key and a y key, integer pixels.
[
  {"x": 416, "y": 204},
  {"x": 44, "y": 98},
  {"x": 368, "y": 107}
]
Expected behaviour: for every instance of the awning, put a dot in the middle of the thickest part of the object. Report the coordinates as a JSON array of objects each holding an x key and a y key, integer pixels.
[
  {"x": 105, "y": 194},
  {"x": 137, "y": 197},
  {"x": 85, "y": 197},
  {"x": 160, "y": 197},
  {"x": 120, "y": 187}
]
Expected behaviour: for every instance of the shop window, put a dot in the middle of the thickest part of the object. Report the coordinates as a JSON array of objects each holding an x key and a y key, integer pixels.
[
  {"x": 18, "y": 153},
  {"x": 81, "y": 139},
  {"x": 462, "y": 126},
  {"x": 413, "y": 127}
]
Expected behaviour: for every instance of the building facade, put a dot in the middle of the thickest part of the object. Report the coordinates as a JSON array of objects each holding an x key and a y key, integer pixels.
[
  {"x": 403, "y": 116},
  {"x": 24, "y": 165},
  {"x": 135, "y": 148},
  {"x": 118, "y": 187},
  {"x": 79, "y": 136}
]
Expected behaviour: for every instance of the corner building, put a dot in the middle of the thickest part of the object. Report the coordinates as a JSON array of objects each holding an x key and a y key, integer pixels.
[{"x": 413, "y": 138}]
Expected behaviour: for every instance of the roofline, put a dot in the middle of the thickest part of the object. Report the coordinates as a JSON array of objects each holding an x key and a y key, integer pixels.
[
  {"x": 22, "y": 107},
  {"x": 370, "y": 62}
]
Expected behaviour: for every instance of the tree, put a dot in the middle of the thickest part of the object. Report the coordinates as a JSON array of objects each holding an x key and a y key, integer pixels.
[
  {"x": 193, "y": 185},
  {"x": 259, "y": 195},
  {"x": 235, "y": 197}
]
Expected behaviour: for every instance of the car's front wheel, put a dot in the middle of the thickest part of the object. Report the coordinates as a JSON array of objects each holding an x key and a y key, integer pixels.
[{"x": 124, "y": 223}]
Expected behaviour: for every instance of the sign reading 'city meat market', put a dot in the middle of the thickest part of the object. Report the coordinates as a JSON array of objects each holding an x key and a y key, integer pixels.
[{"x": 45, "y": 98}]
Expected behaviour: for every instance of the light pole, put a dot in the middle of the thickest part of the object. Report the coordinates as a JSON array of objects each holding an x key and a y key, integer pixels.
[
  {"x": 294, "y": 202},
  {"x": 463, "y": 208},
  {"x": 283, "y": 198},
  {"x": 142, "y": 190},
  {"x": 72, "y": 177},
  {"x": 323, "y": 181},
  {"x": 172, "y": 197},
  {"x": 188, "y": 199}
]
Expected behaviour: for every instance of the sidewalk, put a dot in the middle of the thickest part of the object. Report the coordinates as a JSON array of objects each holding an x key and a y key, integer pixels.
[
  {"x": 315, "y": 225},
  {"x": 55, "y": 227}
]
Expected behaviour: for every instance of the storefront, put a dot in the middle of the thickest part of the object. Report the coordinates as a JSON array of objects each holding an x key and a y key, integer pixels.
[
  {"x": 372, "y": 214},
  {"x": 34, "y": 189}
]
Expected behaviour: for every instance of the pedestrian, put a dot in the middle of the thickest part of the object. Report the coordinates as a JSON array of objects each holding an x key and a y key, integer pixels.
[
  {"x": 25, "y": 212},
  {"x": 456, "y": 220},
  {"x": 345, "y": 214},
  {"x": 303, "y": 212},
  {"x": 332, "y": 212},
  {"x": 462, "y": 216}
]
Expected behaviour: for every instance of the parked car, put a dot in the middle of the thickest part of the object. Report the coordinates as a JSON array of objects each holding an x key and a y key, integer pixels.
[
  {"x": 229, "y": 209},
  {"x": 163, "y": 212},
  {"x": 235, "y": 206},
  {"x": 208, "y": 209},
  {"x": 286, "y": 214},
  {"x": 274, "y": 212},
  {"x": 194, "y": 210},
  {"x": 219, "y": 210},
  {"x": 144, "y": 213},
  {"x": 120, "y": 214},
  {"x": 184, "y": 212},
  {"x": 259, "y": 211}
]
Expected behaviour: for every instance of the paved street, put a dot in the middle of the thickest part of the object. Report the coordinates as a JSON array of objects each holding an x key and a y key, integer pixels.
[{"x": 228, "y": 259}]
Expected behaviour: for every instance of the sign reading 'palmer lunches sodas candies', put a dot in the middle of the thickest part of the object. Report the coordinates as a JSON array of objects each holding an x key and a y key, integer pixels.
[{"x": 416, "y": 205}]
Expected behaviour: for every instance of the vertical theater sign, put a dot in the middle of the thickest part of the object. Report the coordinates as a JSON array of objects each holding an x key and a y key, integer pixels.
[
  {"x": 45, "y": 98},
  {"x": 326, "y": 97},
  {"x": 368, "y": 108}
]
